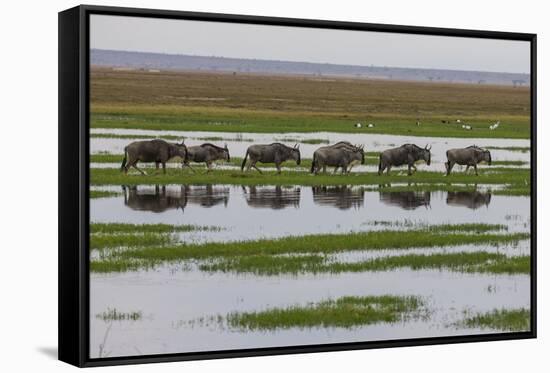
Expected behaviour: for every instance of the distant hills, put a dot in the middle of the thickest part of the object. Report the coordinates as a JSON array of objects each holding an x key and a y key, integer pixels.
[{"x": 159, "y": 61}]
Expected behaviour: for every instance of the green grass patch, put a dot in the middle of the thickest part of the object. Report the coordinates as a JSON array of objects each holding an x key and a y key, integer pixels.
[
  {"x": 470, "y": 262},
  {"x": 115, "y": 235},
  {"x": 103, "y": 193},
  {"x": 147, "y": 256},
  {"x": 201, "y": 118},
  {"x": 514, "y": 320},
  {"x": 522, "y": 149},
  {"x": 112, "y": 314},
  {"x": 511, "y": 176},
  {"x": 345, "y": 312},
  {"x": 133, "y": 137},
  {"x": 114, "y": 240},
  {"x": 509, "y": 163},
  {"x": 146, "y": 228}
]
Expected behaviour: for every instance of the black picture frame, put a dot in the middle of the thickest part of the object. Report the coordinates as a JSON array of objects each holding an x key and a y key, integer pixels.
[{"x": 74, "y": 183}]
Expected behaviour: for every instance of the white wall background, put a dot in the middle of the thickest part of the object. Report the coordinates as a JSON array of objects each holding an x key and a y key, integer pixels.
[{"x": 28, "y": 184}]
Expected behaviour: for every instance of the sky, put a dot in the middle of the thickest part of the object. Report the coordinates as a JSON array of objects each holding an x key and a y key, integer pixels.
[{"x": 307, "y": 45}]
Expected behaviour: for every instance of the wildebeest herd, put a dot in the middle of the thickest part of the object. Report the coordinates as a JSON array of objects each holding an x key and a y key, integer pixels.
[{"x": 343, "y": 155}]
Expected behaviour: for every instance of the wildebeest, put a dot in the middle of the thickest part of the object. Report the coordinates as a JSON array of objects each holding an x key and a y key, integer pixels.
[
  {"x": 341, "y": 154},
  {"x": 158, "y": 151},
  {"x": 472, "y": 200},
  {"x": 207, "y": 153},
  {"x": 407, "y": 154},
  {"x": 275, "y": 198},
  {"x": 273, "y": 153},
  {"x": 408, "y": 200},
  {"x": 470, "y": 156}
]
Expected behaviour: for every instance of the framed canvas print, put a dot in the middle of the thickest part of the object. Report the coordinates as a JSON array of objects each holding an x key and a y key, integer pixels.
[{"x": 237, "y": 186}]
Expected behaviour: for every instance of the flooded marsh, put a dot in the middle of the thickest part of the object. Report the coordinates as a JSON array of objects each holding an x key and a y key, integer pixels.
[{"x": 194, "y": 261}]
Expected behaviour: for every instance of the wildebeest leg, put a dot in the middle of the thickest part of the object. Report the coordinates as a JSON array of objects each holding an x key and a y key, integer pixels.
[
  {"x": 388, "y": 170},
  {"x": 449, "y": 167},
  {"x": 278, "y": 166},
  {"x": 324, "y": 168},
  {"x": 253, "y": 165},
  {"x": 208, "y": 166},
  {"x": 188, "y": 165},
  {"x": 335, "y": 170},
  {"x": 410, "y": 173},
  {"x": 136, "y": 167},
  {"x": 414, "y": 167},
  {"x": 467, "y": 168},
  {"x": 475, "y": 168},
  {"x": 164, "y": 168},
  {"x": 157, "y": 167}
]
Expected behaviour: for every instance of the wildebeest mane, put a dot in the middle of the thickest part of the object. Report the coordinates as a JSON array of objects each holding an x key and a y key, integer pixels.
[{"x": 281, "y": 144}]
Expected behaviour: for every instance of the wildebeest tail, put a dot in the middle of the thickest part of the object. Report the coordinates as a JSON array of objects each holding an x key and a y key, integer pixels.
[
  {"x": 380, "y": 164},
  {"x": 244, "y": 160},
  {"x": 123, "y": 160},
  {"x": 313, "y": 162}
]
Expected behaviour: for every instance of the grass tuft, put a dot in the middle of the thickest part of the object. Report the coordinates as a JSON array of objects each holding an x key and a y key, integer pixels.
[
  {"x": 345, "y": 312},
  {"x": 515, "y": 320}
]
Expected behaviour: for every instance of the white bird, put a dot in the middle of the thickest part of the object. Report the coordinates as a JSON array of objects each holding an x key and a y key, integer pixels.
[
  {"x": 370, "y": 125},
  {"x": 494, "y": 126},
  {"x": 358, "y": 125},
  {"x": 458, "y": 121},
  {"x": 418, "y": 123},
  {"x": 467, "y": 127}
]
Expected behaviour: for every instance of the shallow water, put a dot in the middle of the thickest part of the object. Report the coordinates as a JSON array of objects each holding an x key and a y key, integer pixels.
[
  {"x": 172, "y": 301},
  {"x": 248, "y": 213}
]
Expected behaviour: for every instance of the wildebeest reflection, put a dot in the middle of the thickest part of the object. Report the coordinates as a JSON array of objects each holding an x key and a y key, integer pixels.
[
  {"x": 471, "y": 200},
  {"x": 408, "y": 200},
  {"x": 342, "y": 197},
  {"x": 162, "y": 198},
  {"x": 275, "y": 198}
]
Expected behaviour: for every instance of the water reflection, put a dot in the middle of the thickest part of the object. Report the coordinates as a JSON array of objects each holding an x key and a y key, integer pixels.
[
  {"x": 408, "y": 200},
  {"x": 471, "y": 200},
  {"x": 160, "y": 198},
  {"x": 342, "y": 197},
  {"x": 275, "y": 198},
  {"x": 157, "y": 199}
]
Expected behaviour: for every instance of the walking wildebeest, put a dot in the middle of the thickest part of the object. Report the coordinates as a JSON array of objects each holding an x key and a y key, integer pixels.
[
  {"x": 273, "y": 153},
  {"x": 470, "y": 156},
  {"x": 342, "y": 154},
  {"x": 471, "y": 200},
  {"x": 207, "y": 153},
  {"x": 407, "y": 154},
  {"x": 158, "y": 151}
]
